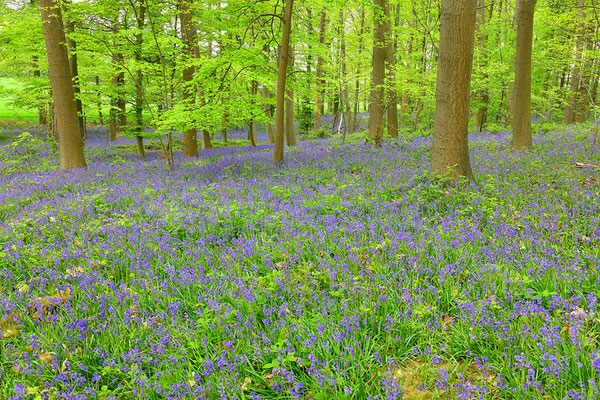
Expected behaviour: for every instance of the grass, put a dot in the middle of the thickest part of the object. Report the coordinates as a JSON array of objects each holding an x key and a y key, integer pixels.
[
  {"x": 7, "y": 110},
  {"x": 346, "y": 273}
]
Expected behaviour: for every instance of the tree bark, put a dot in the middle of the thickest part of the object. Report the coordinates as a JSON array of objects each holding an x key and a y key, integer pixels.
[
  {"x": 319, "y": 77},
  {"x": 522, "y": 92},
  {"x": 345, "y": 89},
  {"x": 35, "y": 64},
  {"x": 61, "y": 81},
  {"x": 72, "y": 51},
  {"x": 206, "y": 141},
  {"x": 267, "y": 107},
  {"x": 357, "y": 86},
  {"x": 252, "y": 124},
  {"x": 484, "y": 97},
  {"x": 139, "y": 91},
  {"x": 450, "y": 152},
  {"x": 581, "y": 110},
  {"x": 281, "y": 78},
  {"x": 390, "y": 66},
  {"x": 99, "y": 100},
  {"x": 188, "y": 33},
  {"x": 290, "y": 133},
  {"x": 569, "y": 114},
  {"x": 378, "y": 62}
]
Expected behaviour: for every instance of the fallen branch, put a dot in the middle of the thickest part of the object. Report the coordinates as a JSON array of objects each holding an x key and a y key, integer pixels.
[{"x": 585, "y": 165}]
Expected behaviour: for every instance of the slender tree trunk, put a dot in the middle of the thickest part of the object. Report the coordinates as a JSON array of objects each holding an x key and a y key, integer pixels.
[
  {"x": 450, "y": 152},
  {"x": 522, "y": 93},
  {"x": 61, "y": 81},
  {"x": 344, "y": 88},
  {"x": 267, "y": 107},
  {"x": 319, "y": 77},
  {"x": 35, "y": 64},
  {"x": 390, "y": 66},
  {"x": 206, "y": 141},
  {"x": 114, "y": 115},
  {"x": 188, "y": 33},
  {"x": 281, "y": 78},
  {"x": 72, "y": 51},
  {"x": 290, "y": 133},
  {"x": 139, "y": 90},
  {"x": 376, "y": 108},
  {"x": 252, "y": 124},
  {"x": 581, "y": 112},
  {"x": 484, "y": 98},
  {"x": 421, "y": 93},
  {"x": 360, "y": 50},
  {"x": 99, "y": 100},
  {"x": 569, "y": 115}
]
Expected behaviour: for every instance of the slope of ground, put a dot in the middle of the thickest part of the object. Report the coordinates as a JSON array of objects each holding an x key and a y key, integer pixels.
[{"x": 345, "y": 273}]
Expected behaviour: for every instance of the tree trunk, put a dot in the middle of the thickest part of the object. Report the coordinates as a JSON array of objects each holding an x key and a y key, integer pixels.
[
  {"x": 360, "y": 50},
  {"x": 522, "y": 94},
  {"x": 267, "y": 107},
  {"x": 421, "y": 93},
  {"x": 290, "y": 133},
  {"x": 390, "y": 66},
  {"x": 72, "y": 51},
  {"x": 281, "y": 77},
  {"x": 319, "y": 77},
  {"x": 188, "y": 33},
  {"x": 99, "y": 101},
  {"x": 61, "y": 81},
  {"x": 139, "y": 90},
  {"x": 378, "y": 62},
  {"x": 252, "y": 124},
  {"x": 206, "y": 142},
  {"x": 450, "y": 152},
  {"x": 404, "y": 106},
  {"x": 483, "y": 94},
  {"x": 344, "y": 90},
  {"x": 35, "y": 64},
  {"x": 581, "y": 110},
  {"x": 569, "y": 115}
]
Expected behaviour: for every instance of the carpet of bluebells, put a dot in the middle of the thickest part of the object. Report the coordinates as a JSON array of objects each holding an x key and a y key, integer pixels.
[{"x": 345, "y": 273}]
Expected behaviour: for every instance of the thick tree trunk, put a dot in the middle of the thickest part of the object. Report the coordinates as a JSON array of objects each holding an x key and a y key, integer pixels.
[
  {"x": 281, "y": 78},
  {"x": 450, "y": 152},
  {"x": 522, "y": 93},
  {"x": 376, "y": 109},
  {"x": 61, "y": 81},
  {"x": 319, "y": 77},
  {"x": 188, "y": 33}
]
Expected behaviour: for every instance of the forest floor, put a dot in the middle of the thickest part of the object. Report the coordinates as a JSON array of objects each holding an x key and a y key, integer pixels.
[{"x": 345, "y": 273}]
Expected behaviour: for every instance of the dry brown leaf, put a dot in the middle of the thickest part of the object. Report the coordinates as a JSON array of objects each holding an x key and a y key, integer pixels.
[
  {"x": 46, "y": 358},
  {"x": 245, "y": 384}
]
